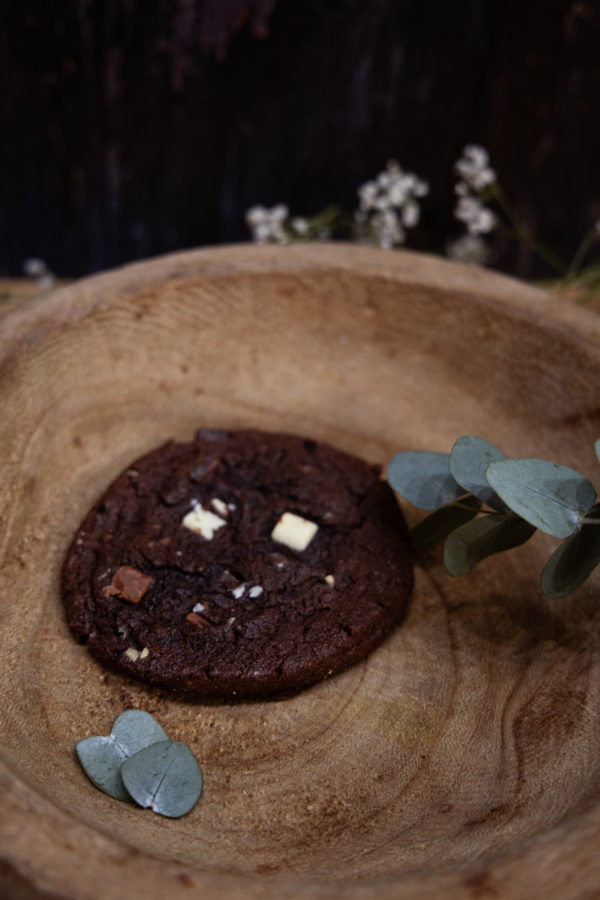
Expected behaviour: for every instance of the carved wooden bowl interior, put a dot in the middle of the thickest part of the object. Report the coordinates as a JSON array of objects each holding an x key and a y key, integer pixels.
[{"x": 462, "y": 758}]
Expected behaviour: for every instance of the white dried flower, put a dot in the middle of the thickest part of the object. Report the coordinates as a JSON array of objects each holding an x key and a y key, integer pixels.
[
  {"x": 37, "y": 268},
  {"x": 421, "y": 188},
  {"x": 477, "y": 218},
  {"x": 299, "y": 225},
  {"x": 388, "y": 205},
  {"x": 267, "y": 225},
  {"x": 384, "y": 180},
  {"x": 410, "y": 214},
  {"x": 256, "y": 215},
  {"x": 473, "y": 167},
  {"x": 34, "y": 267},
  {"x": 387, "y": 230},
  {"x": 470, "y": 249},
  {"x": 367, "y": 194},
  {"x": 279, "y": 213}
]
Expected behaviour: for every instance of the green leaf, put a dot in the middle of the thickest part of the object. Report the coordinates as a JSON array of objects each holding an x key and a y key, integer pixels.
[
  {"x": 469, "y": 460},
  {"x": 423, "y": 478},
  {"x": 102, "y": 757},
  {"x": 436, "y": 527},
  {"x": 573, "y": 561},
  {"x": 165, "y": 777},
  {"x": 549, "y": 496},
  {"x": 488, "y": 534}
]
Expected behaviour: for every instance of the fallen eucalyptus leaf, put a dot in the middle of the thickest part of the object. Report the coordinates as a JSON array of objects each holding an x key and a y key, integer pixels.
[
  {"x": 423, "y": 478},
  {"x": 488, "y": 534},
  {"x": 165, "y": 777},
  {"x": 436, "y": 527},
  {"x": 469, "y": 460},
  {"x": 549, "y": 496},
  {"x": 102, "y": 757},
  {"x": 573, "y": 561}
]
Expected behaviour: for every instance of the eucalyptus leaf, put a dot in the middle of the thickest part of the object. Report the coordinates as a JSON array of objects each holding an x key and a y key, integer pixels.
[
  {"x": 423, "y": 478},
  {"x": 436, "y": 527},
  {"x": 549, "y": 496},
  {"x": 469, "y": 460},
  {"x": 165, "y": 777},
  {"x": 102, "y": 757},
  {"x": 101, "y": 760},
  {"x": 481, "y": 537},
  {"x": 573, "y": 561}
]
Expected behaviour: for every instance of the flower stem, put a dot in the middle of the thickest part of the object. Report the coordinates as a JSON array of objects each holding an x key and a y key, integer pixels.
[
  {"x": 582, "y": 251},
  {"x": 521, "y": 232}
]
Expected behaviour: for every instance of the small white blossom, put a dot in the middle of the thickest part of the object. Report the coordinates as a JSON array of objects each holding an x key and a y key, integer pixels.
[
  {"x": 469, "y": 248},
  {"x": 474, "y": 168},
  {"x": 384, "y": 180},
  {"x": 477, "y": 218},
  {"x": 410, "y": 214},
  {"x": 387, "y": 229},
  {"x": 266, "y": 225},
  {"x": 367, "y": 194},
  {"x": 299, "y": 225},
  {"x": 37, "y": 268},
  {"x": 388, "y": 205},
  {"x": 34, "y": 267}
]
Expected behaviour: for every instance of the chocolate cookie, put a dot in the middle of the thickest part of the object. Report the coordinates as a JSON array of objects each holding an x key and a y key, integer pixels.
[{"x": 239, "y": 564}]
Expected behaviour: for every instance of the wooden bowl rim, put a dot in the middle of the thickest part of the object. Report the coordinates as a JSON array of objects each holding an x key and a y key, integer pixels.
[{"x": 21, "y": 328}]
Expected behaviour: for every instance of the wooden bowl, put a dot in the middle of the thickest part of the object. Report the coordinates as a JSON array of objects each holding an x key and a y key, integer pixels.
[{"x": 460, "y": 759}]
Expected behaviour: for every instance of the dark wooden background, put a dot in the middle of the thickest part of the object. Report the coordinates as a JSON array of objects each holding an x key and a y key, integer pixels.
[{"x": 135, "y": 127}]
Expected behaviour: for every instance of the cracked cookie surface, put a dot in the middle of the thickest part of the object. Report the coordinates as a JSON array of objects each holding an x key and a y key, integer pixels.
[{"x": 241, "y": 564}]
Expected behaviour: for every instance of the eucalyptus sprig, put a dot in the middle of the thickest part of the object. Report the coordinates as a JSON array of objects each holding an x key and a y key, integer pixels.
[
  {"x": 138, "y": 763},
  {"x": 482, "y": 503}
]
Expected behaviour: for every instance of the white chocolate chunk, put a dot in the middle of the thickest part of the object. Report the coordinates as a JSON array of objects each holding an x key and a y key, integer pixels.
[
  {"x": 294, "y": 531},
  {"x": 199, "y": 607},
  {"x": 239, "y": 591},
  {"x": 255, "y": 591},
  {"x": 220, "y": 506},
  {"x": 145, "y": 652},
  {"x": 202, "y": 521},
  {"x": 330, "y": 580}
]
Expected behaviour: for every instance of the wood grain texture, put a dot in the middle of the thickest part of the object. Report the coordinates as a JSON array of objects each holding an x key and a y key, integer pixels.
[{"x": 460, "y": 759}]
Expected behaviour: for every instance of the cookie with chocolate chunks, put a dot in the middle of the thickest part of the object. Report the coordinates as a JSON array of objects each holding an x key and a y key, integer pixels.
[{"x": 241, "y": 564}]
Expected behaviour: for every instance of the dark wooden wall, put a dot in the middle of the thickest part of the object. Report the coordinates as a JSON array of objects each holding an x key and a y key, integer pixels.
[{"x": 135, "y": 127}]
